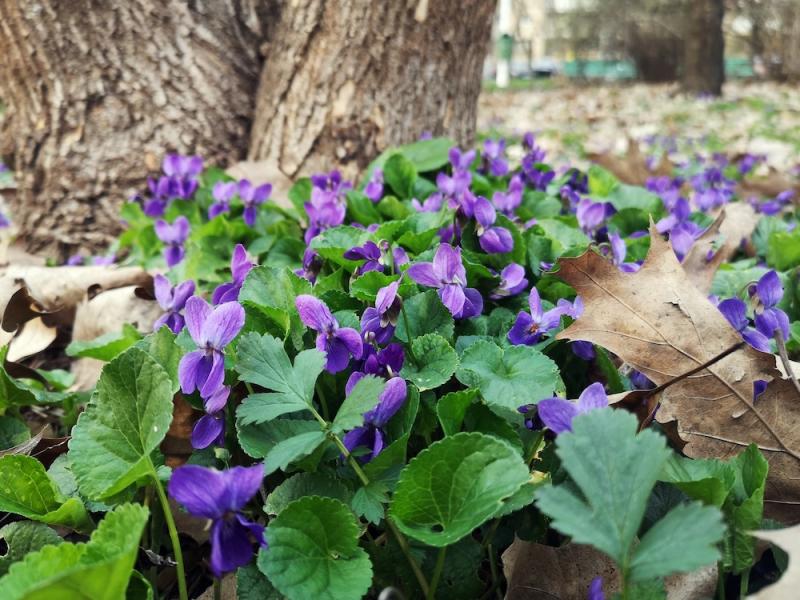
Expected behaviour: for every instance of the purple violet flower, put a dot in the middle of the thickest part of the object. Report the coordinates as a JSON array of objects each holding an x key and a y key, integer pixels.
[
  {"x": 174, "y": 237},
  {"x": 240, "y": 267},
  {"x": 461, "y": 160},
  {"x": 618, "y": 252},
  {"x": 210, "y": 428},
  {"x": 75, "y": 260},
  {"x": 371, "y": 435},
  {"x": 377, "y": 324},
  {"x": 493, "y": 240},
  {"x": 447, "y": 274},
  {"x": 512, "y": 282},
  {"x": 172, "y": 300},
  {"x": 507, "y": 202},
  {"x": 596, "y": 589},
  {"x": 591, "y": 215},
  {"x": 374, "y": 188},
  {"x": 337, "y": 342},
  {"x": 769, "y": 318},
  {"x": 370, "y": 253},
  {"x": 325, "y": 210},
  {"x": 557, "y": 413},
  {"x": 584, "y": 350},
  {"x": 221, "y": 496},
  {"x": 735, "y": 311},
  {"x": 183, "y": 171},
  {"x": 252, "y": 197},
  {"x": 222, "y": 193},
  {"x": 211, "y": 330},
  {"x": 312, "y": 265},
  {"x": 386, "y": 362},
  {"x": 493, "y": 159},
  {"x": 529, "y": 328}
]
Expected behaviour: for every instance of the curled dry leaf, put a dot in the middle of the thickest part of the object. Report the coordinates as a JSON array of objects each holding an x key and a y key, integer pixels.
[
  {"x": 631, "y": 168},
  {"x": 662, "y": 325},
  {"x": 34, "y": 337},
  {"x": 106, "y": 313},
  {"x": 787, "y": 540},
  {"x": 28, "y": 291},
  {"x": 735, "y": 223}
]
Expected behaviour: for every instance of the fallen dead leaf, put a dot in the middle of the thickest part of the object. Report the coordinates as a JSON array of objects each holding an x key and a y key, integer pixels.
[
  {"x": 34, "y": 337},
  {"x": 735, "y": 223},
  {"x": 631, "y": 168},
  {"x": 657, "y": 321},
  {"x": 787, "y": 540}
]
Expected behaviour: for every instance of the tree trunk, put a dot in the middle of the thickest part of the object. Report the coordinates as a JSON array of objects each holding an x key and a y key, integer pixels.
[
  {"x": 344, "y": 79},
  {"x": 98, "y": 90},
  {"x": 704, "y": 62}
]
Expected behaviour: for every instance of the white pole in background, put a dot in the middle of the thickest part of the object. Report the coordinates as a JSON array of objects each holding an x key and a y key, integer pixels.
[{"x": 505, "y": 27}]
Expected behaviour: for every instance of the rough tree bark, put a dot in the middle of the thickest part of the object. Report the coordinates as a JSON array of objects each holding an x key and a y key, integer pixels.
[
  {"x": 704, "y": 45},
  {"x": 347, "y": 78},
  {"x": 97, "y": 91}
]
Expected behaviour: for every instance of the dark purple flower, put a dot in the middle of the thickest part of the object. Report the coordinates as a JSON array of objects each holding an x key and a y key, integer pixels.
[
  {"x": 385, "y": 363},
  {"x": 748, "y": 162},
  {"x": 711, "y": 189},
  {"x": 529, "y": 328},
  {"x": 337, "y": 342},
  {"x": 557, "y": 413},
  {"x": 679, "y": 213},
  {"x": 222, "y": 193},
  {"x": 447, "y": 274},
  {"x": 493, "y": 159},
  {"x": 683, "y": 236},
  {"x": 221, "y": 496},
  {"x": 584, "y": 350},
  {"x": 507, "y": 202},
  {"x": 641, "y": 381},
  {"x": 493, "y": 240},
  {"x": 374, "y": 188},
  {"x": 370, "y": 253},
  {"x": 240, "y": 267},
  {"x": 759, "y": 387},
  {"x": 173, "y": 237},
  {"x": 171, "y": 300},
  {"x": 211, "y": 330},
  {"x": 252, "y": 197},
  {"x": 735, "y": 310},
  {"x": 770, "y": 318},
  {"x": 312, "y": 265},
  {"x": 596, "y": 589},
  {"x": 210, "y": 428},
  {"x": 377, "y": 324},
  {"x": 370, "y": 435},
  {"x": 325, "y": 210},
  {"x": 512, "y": 282},
  {"x": 618, "y": 252}
]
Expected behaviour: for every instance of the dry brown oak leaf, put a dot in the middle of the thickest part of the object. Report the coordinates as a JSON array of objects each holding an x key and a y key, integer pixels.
[{"x": 660, "y": 324}]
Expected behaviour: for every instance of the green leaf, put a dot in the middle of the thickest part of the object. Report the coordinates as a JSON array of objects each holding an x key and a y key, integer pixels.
[
  {"x": 12, "y": 392},
  {"x": 272, "y": 291},
  {"x": 709, "y": 481},
  {"x": 334, "y": 242},
  {"x": 123, "y": 424},
  {"x": 363, "y": 397},
  {"x": 368, "y": 501},
  {"x": 300, "y": 193},
  {"x": 428, "y": 155},
  {"x": 107, "y": 346},
  {"x": 23, "y": 537},
  {"x": 27, "y": 490},
  {"x": 263, "y": 361},
  {"x": 455, "y": 485},
  {"x": 436, "y": 361},
  {"x": 744, "y": 509},
  {"x": 259, "y": 440},
  {"x": 99, "y": 569},
  {"x": 783, "y": 250},
  {"x": 314, "y": 552},
  {"x": 615, "y": 469},
  {"x": 626, "y": 196},
  {"x": 292, "y": 449},
  {"x": 424, "y": 313},
  {"x": 562, "y": 235},
  {"x": 12, "y": 432},
  {"x": 362, "y": 209},
  {"x": 399, "y": 173},
  {"x": 601, "y": 182},
  {"x": 306, "y": 484},
  {"x": 452, "y": 407},
  {"x": 510, "y": 377},
  {"x": 252, "y": 584},
  {"x": 682, "y": 541},
  {"x": 366, "y": 287},
  {"x": 161, "y": 347}
]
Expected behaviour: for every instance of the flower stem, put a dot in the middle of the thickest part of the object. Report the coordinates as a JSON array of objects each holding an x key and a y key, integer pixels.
[
  {"x": 437, "y": 573},
  {"x": 323, "y": 402},
  {"x": 787, "y": 364},
  {"x": 408, "y": 334},
  {"x": 744, "y": 583},
  {"x": 217, "y": 589},
  {"x": 173, "y": 534}
]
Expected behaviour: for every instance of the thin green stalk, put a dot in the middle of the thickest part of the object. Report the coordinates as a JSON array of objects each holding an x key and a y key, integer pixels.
[
  {"x": 744, "y": 583},
  {"x": 408, "y": 334},
  {"x": 490, "y": 534},
  {"x": 217, "y": 589},
  {"x": 720, "y": 582},
  {"x": 323, "y": 402},
  {"x": 493, "y": 570},
  {"x": 437, "y": 573},
  {"x": 173, "y": 534}
]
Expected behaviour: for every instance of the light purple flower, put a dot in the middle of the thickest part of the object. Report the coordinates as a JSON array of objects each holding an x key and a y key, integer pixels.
[
  {"x": 325, "y": 210},
  {"x": 211, "y": 330},
  {"x": 618, "y": 252},
  {"x": 222, "y": 193},
  {"x": 493, "y": 240},
  {"x": 374, "y": 188},
  {"x": 512, "y": 282},
  {"x": 596, "y": 589},
  {"x": 221, "y": 496},
  {"x": 735, "y": 311},
  {"x": 447, "y": 274},
  {"x": 240, "y": 267},
  {"x": 507, "y": 202},
  {"x": 171, "y": 300},
  {"x": 337, "y": 342},
  {"x": 591, "y": 215},
  {"x": 377, "y": 324},
  {"x": 461, "y": 160},
  {"x": 432, "y": 203},
  {"x": 103, "y": 261},
  {"x": 493, "y": 159},
  {"x": 679, "y": 213},
  {"x": 557, "y": 413},
  {"x": 173, "y": 237},
  {"x": 683, "y": 236},
  {"x": 252, "y": 197},
  {"x": 770, "y": 318},
  {"x": 529, "y": 328},
  {"x": 75, "y": 260}
]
